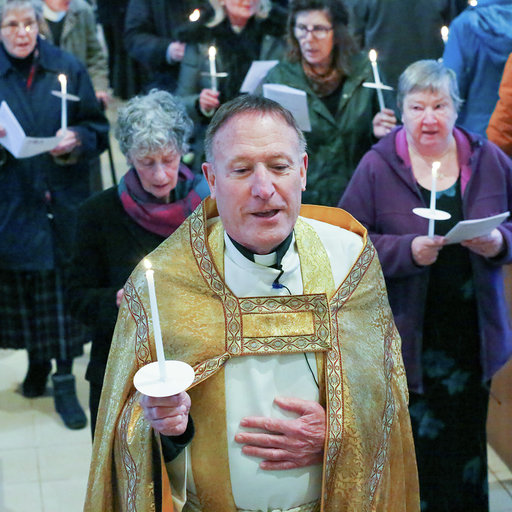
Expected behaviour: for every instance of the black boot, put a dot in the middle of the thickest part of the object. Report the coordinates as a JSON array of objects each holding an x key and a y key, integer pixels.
[
  {"x": 35, "y": 380},
  {"x": 66, "y": 401}
]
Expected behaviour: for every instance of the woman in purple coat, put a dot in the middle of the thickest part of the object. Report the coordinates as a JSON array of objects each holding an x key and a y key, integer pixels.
[{"x": 448, "y": 299}]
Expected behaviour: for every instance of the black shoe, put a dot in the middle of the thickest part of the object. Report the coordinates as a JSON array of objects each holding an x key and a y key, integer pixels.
[
  {"x": 66, "y": 401},
  {"x": 35, "y": 381}
]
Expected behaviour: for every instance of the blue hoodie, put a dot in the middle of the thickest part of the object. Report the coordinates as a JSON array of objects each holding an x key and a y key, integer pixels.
[{"x": 478, "y": 46}]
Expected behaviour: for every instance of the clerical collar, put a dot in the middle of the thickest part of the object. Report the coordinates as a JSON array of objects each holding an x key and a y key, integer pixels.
[{"x": 272, "y": 259}]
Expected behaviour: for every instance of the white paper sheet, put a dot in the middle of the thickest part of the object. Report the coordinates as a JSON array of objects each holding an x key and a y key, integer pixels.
[
  {"x": 257, "y": 72},
  {"x": 16, "y": 142},
  {"x": 467, "y": 229},
  {"x": 294, "y": 100}
]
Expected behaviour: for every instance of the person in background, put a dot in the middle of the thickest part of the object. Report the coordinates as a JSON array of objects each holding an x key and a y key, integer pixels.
[
  {"x": 241, "y": 32},
  {"x": 479, "y": 43},
  {"x": 125, "y": 74},
  {"x": 324, "y": 61},
  {"x": 39, "y": 198},
  {"x": 286, "y": 322},
  {"x": 151, "y": 34},
  {"x": 71, "y": 25},
  {"x": 122, "y": 224},
  {"x": 499, "y": 129},
  {"x": 402, "y": 31},
  {"x": 447, "y": 300}
]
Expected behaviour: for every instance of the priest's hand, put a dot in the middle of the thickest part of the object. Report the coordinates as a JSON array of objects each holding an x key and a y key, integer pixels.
[
  {"x": 289, "y": 443},
  {"x": 425, "y": 250},
  {"x": 167, "y": 415}
]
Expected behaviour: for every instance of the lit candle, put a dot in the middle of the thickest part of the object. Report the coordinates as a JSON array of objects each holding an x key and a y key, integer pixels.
[
  {"x": 435, "y": 168},
  {"x": 194, "y": 15},
  {"x": 444, "y": 33},
  {"x": 212, "y": 52},
  {"x": 156, "y": 320},
  {"x": 64, "y": 108},
  {"x": 376, "y": 77}
]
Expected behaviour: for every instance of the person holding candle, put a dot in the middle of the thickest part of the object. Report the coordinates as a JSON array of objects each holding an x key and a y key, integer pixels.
[
  {"x": 39, "y": 198},
  {"x": 324, "y": 61},
  {"x": 285, "y": 321},
  {"x": 71, "y": 25},
  {"x": 155, "y": 36},
  {"x": 448, "y": 300},
  {"x": 119, "y": 226},
  {"x": 240, "y": 32},
  {"x": 402, "y": 32}
]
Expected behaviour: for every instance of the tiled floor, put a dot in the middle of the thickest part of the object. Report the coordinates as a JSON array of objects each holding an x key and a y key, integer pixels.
[{"x": 44, "y": 466}]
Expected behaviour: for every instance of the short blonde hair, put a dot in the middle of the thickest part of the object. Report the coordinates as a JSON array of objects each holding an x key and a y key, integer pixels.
[{"x": 220, "y": 12}]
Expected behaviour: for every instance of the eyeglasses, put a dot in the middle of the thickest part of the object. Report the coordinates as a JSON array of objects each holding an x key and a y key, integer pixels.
[
  {"x": 317, "y": 31},
  {"x": 14, "y": 26}
]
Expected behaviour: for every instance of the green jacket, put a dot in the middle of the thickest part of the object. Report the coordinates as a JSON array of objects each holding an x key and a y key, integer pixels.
[
  {"x": 79, "y": 37},
  {"x": 335, "y": 143}
]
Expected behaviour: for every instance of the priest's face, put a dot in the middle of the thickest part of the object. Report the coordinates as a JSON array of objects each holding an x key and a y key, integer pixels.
[{"x": 257, "y": 177}]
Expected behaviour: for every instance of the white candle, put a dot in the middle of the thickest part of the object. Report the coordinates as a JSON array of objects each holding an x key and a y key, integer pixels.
[
  {"x": 64, "y": 108},
  {"x": 373, "y": 59},
  {"x": 156, "y": 320},
  {"x": 444, "y": 33},
  {"x": 435, "y": 168},
  {"x": 212, "y": 52},
  {"x": 195, "y": 15}
]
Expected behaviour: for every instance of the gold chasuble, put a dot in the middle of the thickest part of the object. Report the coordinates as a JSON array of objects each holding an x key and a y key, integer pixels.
[{"x": 369, "y": 462}]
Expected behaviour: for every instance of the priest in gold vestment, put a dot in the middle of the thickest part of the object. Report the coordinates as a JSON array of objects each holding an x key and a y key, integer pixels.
[{"x": 299, "y": 401}]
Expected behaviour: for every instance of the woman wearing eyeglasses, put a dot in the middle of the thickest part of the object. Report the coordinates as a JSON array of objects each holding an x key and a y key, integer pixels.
[
  {"x": 324, "y": 61},
  {"x": 39, "y": 198}
]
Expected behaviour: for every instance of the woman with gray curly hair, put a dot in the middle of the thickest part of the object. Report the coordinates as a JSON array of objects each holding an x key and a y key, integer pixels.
[{"x": 122, "y": 224}]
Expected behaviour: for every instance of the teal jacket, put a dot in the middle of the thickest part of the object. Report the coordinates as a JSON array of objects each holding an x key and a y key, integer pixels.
[{"x": 336, "y": 143}]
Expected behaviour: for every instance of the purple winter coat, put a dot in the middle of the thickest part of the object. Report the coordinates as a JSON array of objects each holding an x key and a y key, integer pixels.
[{"x": 382, "y": 194}]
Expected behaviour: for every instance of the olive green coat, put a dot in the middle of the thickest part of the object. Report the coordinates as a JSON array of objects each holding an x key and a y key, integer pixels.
[{"x": 335, "y": 143}]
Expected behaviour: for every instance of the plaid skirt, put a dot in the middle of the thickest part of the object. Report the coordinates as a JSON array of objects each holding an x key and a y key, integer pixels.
[{"x": 33, "y": 316}]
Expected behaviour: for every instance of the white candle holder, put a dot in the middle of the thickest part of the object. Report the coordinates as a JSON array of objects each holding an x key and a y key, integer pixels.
[
  {"x": 178, "y": 377},
  {"x": 432, "y": 215}
]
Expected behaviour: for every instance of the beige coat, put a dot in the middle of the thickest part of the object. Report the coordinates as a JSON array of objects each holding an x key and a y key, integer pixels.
[{"x": 80, "y": 38}]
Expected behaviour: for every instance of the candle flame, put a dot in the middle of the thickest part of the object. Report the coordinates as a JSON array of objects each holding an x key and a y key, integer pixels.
[
  {"x": 435, "y": 168},
  {"x": 444, "y": 33},
  {"x": 62, "y": 78},
  {"x": 212, "y": 51},
  {"x": 473, "y": 3},
  {"x": 195, "y": 15},
  {"x": 373, "y": 55},
  {"x": 147, "y": 263}
]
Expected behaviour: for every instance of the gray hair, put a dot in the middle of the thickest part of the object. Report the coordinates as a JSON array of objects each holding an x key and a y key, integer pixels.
[
  {"x": 220, "y": 13},
  {"x": 7, "y": 6},
  {"x": 248, "y": 103},
  {"x": 150, "y": 123},
  {"x": 430, "y": 75}
]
